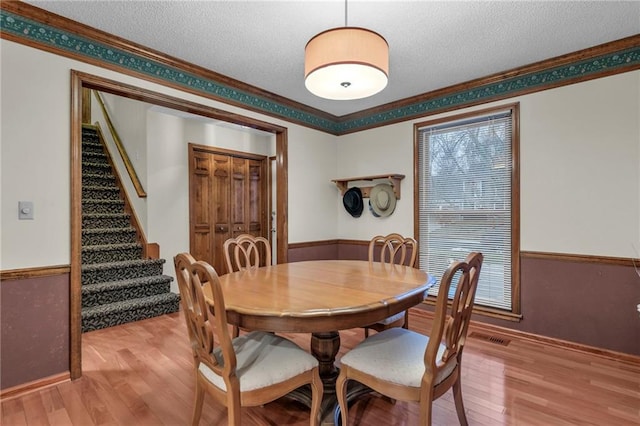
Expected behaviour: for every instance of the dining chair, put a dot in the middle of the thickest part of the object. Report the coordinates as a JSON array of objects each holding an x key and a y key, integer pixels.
[
  {"x": 250, "y": 370},
  {"x": 408, "y": 366},
  {"x": 392, "y": 249},
  {"x": 246, "y": 251}
]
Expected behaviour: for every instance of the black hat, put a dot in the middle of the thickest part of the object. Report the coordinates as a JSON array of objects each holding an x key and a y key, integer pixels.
[{"x": 352, "y": 201}]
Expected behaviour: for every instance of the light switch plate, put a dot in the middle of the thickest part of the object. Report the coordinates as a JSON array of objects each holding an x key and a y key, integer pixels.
[{"x": 25, "y": 210}]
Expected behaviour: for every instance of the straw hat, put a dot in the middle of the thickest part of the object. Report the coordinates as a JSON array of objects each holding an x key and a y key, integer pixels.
[{"x": 382, "y": 200}]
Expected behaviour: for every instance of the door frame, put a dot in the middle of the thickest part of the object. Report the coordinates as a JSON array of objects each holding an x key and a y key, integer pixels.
[{"x": 81, "y": 80}]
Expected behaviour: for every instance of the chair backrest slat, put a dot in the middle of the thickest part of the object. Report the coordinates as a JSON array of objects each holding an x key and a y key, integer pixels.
[
  {"x": 451, "y": 321},
  {"x": 393, "y": 249},
  {"x": 246, "y": 251},
  {"x": 203, "y": 319}
]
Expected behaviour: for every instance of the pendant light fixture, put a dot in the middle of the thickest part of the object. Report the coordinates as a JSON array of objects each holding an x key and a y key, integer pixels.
[{"x": 346, "y": 63}]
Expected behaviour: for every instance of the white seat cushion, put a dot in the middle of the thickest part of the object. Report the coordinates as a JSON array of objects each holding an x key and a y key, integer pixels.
[
  {"x": 262, "y": 360},
  {"x": 395, "y": 355}
]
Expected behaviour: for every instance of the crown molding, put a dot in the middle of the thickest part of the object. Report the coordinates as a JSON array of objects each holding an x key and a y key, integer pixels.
[{"x": 26, "y": 24}]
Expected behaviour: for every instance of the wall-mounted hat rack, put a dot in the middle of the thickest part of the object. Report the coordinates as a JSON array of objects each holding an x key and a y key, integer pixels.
[{"x": 394, "y": 179}]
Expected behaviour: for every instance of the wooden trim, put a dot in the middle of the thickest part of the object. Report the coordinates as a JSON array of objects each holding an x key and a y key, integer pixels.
[
  {"x": 80, "y": 80},
  {"x": 536, "y": 67},
  {"x": 48, "y": 18},
  {"x": 36, "y": 385},
  {"x": 152, "y": 251},
  {"x": 210, "y": 149},
  {"x": 75, "y": 283},
  {"x": 579, "y": 258},
  {"x": 354, "y": 242},
  {"x": 282, "y": 195},
  {"x": 156, "y": 98},
  {"x": 86, "y": 106},
  {"x": 485, "y": 311},
  {"x": 516, "y": 303},
  {"x": 550, "y": 341},
  {"x": 560, "y": 257},
  {"x": 514, "y": 108},
  {"x": 37, "y": 272},
  {"x": 306, "y": 244},
  {"x": 135, "y": 180}
]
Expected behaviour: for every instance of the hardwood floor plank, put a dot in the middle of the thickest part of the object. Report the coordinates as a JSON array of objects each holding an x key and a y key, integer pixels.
[
  {"x": 34, "y": 409},
  {"x": 59, "y": 418},
  {"x": 13, "y": 412},
  {"x": 73, "y": 403},
  {"x": 51, "y": 399},
  {"x": 142, "y": 374}
]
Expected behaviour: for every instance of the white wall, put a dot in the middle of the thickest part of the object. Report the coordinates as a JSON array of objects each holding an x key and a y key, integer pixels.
[
  {"x": 129, "y": 118},
  {"x": 378, "y": 151},
  {"x": 35, "y": 158},
  {"x": 168, "y": 193},
  {"x": 580, "y": 149},
  {"x": 35, "y": 161},
  {"x": 312, "y": 195},
  {"x": 580, "y": 179}
]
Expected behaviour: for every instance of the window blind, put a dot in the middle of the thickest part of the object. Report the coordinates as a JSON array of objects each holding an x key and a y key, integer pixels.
[{"x": 465, "y": 197}]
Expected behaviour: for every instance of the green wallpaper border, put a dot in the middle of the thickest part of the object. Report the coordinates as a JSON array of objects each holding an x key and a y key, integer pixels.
[{"x": 44, "y": 34}]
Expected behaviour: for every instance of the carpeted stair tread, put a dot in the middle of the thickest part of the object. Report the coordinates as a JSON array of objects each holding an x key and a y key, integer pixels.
[
  {"x": 112, "y": 314},
  {"x": 104, "y": 215},
  {"x": 101, "y": 253},
  {"x": 108, "y": 247},
  {"x": 108, "y": 236},
  {"x": 99, "y": 176},
  {"x": 133, "y": 282},
  {"x": 119, "y": 291},
  {"x": 97, "y": 166},
  {"x": 112, "y": 271},
  {"x": 137, "y": 262},
  {"x": 102, "y": 206},
  {"x": 89, "y": 188},
  {"x": 108, "y": 230},
  {"x": 101, "y": 192},
  {"x": 105, "y": 220}
]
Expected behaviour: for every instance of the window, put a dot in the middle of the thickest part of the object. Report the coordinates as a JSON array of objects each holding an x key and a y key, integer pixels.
[{"x": 467, "y": 176}]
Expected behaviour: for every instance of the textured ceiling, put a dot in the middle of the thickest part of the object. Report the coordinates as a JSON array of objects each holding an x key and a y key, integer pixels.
[{"x": 433, "y": 44}]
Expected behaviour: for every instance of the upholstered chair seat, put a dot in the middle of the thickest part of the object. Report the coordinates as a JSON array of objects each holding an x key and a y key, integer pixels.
[
  {"x": 263, "y": 359},
  {"x": 396, "y": 355}
]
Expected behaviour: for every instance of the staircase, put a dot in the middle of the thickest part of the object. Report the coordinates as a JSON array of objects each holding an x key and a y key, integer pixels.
[{"x": 118, "y": 284}]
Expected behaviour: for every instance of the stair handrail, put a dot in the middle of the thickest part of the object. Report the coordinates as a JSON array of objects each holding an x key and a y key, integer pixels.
[{"x": 123, "y": 152}]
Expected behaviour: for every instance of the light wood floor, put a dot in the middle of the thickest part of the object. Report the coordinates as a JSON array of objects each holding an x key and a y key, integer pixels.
[{"x": 141, "y": 374}]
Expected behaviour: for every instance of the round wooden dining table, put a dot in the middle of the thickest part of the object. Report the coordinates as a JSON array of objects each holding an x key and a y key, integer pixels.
[{"x": 321, "y": 297}]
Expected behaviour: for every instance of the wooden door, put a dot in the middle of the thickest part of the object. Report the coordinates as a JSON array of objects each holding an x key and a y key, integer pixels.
[
  {"x": 240, "y": 197},
  {"x": 228, "y": 197},
  {"x": 201, "y": 207},
  {"x": 222, "y": 212}
]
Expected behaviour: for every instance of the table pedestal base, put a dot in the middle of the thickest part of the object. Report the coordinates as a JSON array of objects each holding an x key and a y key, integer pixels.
[
  {"x": 329, "y": 409},
  {"x": 324, "y": 346}
]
